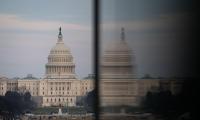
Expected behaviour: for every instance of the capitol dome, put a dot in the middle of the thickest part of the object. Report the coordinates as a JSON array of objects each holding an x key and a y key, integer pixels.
[
  {"x": 60, "y": 47},
  {"x": 117, "y": 60},
  {"x": 60, "y": 61}
]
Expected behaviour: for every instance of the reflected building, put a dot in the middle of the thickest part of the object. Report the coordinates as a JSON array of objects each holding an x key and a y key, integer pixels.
[
  {"x": 119, "y": 85},
  {"x": 117, "y": 74}
]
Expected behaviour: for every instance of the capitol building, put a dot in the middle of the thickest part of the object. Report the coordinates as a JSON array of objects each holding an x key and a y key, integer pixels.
[
  {"x": 59, "y": 87},
  {"x": 118, "y": 82}
]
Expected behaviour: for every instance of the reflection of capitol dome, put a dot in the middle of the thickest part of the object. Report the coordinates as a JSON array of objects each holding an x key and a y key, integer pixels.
[
  {"x": 60, "y": 61},
  {"x": 117, "y": 60},
  {"x": 118, "y": 46}
]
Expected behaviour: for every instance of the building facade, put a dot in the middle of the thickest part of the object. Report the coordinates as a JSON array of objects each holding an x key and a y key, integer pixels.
[{"x": 60, "y": 86}]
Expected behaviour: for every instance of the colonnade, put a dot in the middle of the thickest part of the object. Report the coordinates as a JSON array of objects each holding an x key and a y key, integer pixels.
[{"x": 60, "y": 69}]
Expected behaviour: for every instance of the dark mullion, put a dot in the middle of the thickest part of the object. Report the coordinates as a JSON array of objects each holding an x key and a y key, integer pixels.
[{"x": 96, "y": 11}]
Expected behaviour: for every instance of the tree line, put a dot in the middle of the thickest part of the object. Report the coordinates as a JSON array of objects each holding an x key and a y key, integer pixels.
[
  {"x": 13, "y": 104},
  {"x": 173, "y": 106}
]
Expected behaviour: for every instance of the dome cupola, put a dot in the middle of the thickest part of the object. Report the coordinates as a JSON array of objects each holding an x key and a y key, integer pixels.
[{"x": 60, "y": 61}]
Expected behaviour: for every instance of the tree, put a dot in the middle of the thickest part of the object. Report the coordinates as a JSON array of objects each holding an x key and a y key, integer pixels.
[
  {"x": 174, "y": 105},
  {"x": 27, "y": 97},
  {"x": 14, "y": 103},
  {"x": 89, "y": 101},
  {"x": 159, "y": 102}
]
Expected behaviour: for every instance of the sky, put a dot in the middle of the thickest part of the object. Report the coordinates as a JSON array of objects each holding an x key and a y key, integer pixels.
[
  {"x": 156, "y": 30},
  {"x": 29, "y": 29}
]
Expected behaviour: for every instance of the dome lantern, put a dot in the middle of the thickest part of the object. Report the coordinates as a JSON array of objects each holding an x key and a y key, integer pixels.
[{"x": 60, "y": 37}]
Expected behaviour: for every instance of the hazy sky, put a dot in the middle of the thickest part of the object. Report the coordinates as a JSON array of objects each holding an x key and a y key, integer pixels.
[
  {"x": 156, "y": 30},
  {"x": 29, "y": 29}
]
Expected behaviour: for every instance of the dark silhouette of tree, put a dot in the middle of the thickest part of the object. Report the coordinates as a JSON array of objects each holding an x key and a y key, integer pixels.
[
  {"x": 2, "y": 104},
  {"x": 13, "y": 104},
  {"x": 27, "y": 97},
  {"x": 173, "y": 105},
  {"x": 159, "y": 102},
  {"x": 80, "y": 101},
  {"x": 28, "y": 103},
  {"x": 89, "y": 101}
]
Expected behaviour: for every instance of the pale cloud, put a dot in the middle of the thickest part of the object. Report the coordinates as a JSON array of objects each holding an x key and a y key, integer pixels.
[{"x": 9, "y": 21}]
